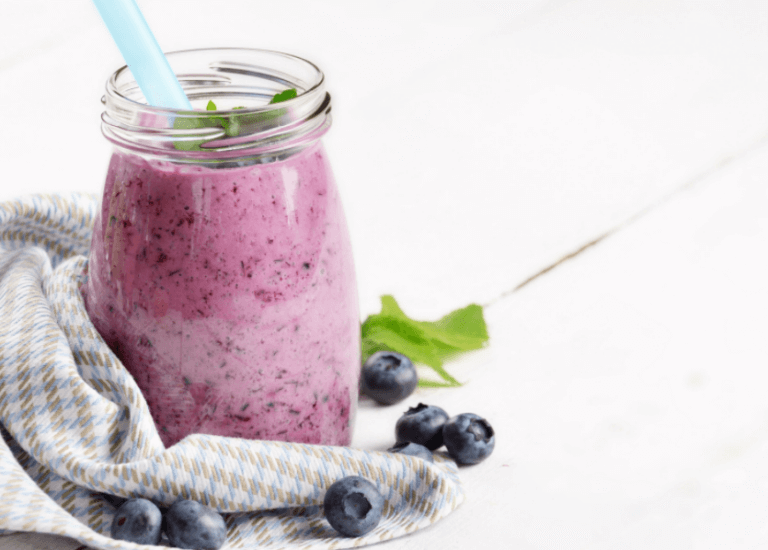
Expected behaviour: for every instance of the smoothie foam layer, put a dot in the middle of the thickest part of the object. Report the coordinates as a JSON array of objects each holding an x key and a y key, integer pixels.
[{"x": 230, "y": 296}]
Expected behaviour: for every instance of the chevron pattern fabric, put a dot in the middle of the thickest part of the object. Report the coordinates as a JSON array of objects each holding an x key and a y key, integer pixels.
[{"x": 76, "y": 430}]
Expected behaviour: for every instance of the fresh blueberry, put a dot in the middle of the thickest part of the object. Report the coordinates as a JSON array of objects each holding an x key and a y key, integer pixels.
[
  {"x": 137, "y": 520},
  {"x": 468, "y": 438},
  {"x": 412, "y": 449},
  {"x": 423, "y": 425},
  {"x": 388, "y": 377},
  {"x": 190, "y": 524},
  {"x": 353, "y": 506}
]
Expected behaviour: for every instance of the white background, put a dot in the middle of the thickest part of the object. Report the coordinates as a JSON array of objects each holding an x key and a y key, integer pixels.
[{"x": 476, "y": 145}]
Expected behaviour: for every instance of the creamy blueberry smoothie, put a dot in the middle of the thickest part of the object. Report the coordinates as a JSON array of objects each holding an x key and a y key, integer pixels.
[{"x": 229, "y": 294}]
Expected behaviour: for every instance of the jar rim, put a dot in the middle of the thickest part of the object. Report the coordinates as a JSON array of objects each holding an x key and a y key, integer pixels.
[{"x": 244, "y": 125}]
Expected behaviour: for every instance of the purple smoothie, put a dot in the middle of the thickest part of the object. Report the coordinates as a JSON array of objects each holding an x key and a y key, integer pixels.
[{"x": 230, "y": 296}]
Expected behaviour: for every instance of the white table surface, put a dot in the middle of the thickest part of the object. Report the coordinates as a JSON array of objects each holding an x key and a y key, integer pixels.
[{"x": 593, "y": 171}]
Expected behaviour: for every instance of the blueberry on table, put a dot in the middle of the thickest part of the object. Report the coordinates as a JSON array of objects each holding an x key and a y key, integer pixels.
[
  {"x": 423, "y": 425},
  {"x": 412, "y": 449},
  {"x": 353, "y": 506},
  {"x": 192, "y": 525},
  {"x": 388, "y": 377},
  {"x": 137, "y": 520},
  {"x": 469, "y": 438}
]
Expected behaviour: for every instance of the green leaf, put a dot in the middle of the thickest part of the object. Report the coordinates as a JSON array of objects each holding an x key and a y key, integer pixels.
[
  {"x": 181, "y": 123},
  {"x": 390, "y": 307},
  {"x": 210, "y": 121},
  {"x": 184, "y": 123},
  {"x": 427, "y": 342},
  {"x": 232, "y": 126},
  {"x": 445, "y": 376},
  {"x": 402, "y": 337},
  {"x": 369, "y": 347},
  {"x": 285, "y": 95},
  {"x": 432, "y": 384}
]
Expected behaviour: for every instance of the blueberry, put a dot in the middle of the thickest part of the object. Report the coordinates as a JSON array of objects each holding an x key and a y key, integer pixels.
[
  {"x": 353, "y": 506},
  {"x": 468, "y": 438},
  {"x": 190, "y": 524},
  {"x": 423, "y": 425},
  {"x": 137, "y": 520},
  {"x": 388, "y": 377},
  {"x": 412, "y": 449}
]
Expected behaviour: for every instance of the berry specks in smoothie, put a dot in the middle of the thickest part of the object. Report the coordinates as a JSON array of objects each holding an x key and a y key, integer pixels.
[{"x": 216, "y": 275}]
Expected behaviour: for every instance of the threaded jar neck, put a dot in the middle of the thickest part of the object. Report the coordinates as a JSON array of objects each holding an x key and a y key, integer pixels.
[{"x": 245, "y": 128}]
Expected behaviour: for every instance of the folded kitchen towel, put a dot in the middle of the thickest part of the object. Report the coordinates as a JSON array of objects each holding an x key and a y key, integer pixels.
[{"x": 76, "y": 430}]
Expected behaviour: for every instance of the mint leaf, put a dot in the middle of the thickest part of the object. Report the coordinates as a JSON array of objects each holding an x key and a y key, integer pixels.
[
  {"x": 182, "y": 123},
  {"x": 433, "y": 384},
  {"x": 400, "y": 336},
  {"x": 231, "y": 126},
  {"x": 210, "y": 121},
  {"x": 430, "y": 343},
  {"x": 285, "y": 95}
]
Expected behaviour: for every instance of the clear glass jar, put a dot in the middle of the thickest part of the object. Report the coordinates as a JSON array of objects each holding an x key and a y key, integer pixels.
[{"x": 220, "y": 270}]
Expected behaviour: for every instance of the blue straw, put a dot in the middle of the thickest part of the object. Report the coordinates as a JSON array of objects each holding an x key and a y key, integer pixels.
[{"x": 142, "y": 53}]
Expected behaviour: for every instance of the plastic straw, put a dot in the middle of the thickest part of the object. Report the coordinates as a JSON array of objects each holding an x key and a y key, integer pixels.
[{"x": 142, "y": 53}]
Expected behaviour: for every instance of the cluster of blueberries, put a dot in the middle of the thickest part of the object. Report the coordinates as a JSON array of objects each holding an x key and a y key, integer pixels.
[
  {"x": 187, "y": 524},
  {"x": 388, "y": 378},
  {"x": 353, "y": 505}
]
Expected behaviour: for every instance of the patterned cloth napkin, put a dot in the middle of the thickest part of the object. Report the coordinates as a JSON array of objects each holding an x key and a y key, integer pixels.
[{"x": 76, "y": 429}]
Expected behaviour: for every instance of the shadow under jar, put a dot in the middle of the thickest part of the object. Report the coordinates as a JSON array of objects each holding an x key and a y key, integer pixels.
[{"x": 220, "y": 270}]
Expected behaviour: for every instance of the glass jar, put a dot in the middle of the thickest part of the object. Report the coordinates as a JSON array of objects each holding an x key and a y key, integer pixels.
[{"x": 220, "y": 270}]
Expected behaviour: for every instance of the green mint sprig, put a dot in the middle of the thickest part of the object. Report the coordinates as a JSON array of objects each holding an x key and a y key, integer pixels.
[
  {"x": 430, "y": 343},
  {"x": 285, "y": 95},
  {"x": 231, "y": 126}
]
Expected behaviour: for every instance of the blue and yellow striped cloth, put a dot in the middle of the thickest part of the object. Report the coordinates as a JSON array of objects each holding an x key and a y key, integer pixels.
[{"x": 75, "y": 427}]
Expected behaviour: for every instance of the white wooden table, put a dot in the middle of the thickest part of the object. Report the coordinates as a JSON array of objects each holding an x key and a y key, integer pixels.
[{"x": 595, "y": 172}]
